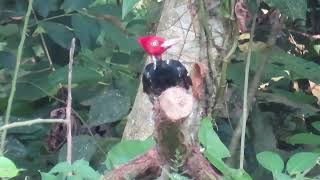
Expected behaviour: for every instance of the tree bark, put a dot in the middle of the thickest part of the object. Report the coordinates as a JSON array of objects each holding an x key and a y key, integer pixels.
[{"x": 178, "y": 20}]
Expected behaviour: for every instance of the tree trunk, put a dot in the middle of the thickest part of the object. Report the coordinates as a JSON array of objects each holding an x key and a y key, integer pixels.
[{"x": 179, "y": 19}]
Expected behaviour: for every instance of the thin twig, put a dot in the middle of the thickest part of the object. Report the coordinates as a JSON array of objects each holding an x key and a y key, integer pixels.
[
  {"x": 44, "y": 45},
  {"x": 30, "y": 123},
  {"x": 73, "y": 111},
  {"x": 15, "y": 76},
  {"x": 69, "y": 100},
  {"x": 245, "y": 94}
]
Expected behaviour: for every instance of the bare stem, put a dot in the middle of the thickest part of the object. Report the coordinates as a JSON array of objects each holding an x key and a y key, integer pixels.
[
  {"x": 245, "y": 94},
  {"x": 69, "y": 100},
  {"x": 15, "y": 76},
  {"x": 30, "y": 123},
  {"x": 44, "y": 45}
]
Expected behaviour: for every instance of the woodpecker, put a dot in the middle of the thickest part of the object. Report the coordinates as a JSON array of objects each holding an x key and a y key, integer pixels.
[{"x": 161, "y": 74}]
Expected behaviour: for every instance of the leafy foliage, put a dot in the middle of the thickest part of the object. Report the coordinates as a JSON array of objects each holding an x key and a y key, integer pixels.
[
  {"x": 107, "y": 64},
  {"x": 297, "y": 166},
  {"x": 7, "y": 168},
  {"x": 126, "y": 151}
]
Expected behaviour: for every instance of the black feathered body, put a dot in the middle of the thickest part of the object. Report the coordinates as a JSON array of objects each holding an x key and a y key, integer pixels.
[{"x": 166, "y": 74}]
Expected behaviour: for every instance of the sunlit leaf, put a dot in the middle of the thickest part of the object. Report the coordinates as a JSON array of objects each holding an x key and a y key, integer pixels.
[
  {"x": 83, "y": 170},
  {"x": 301, "y": 162},
  {"x": 305, "y": 138},
  {"x": 126, "y": 151},
  {"x": 210, "y": 140},
  {"x": 271, "y": 161},
  {"x": 7, "y": 168}
]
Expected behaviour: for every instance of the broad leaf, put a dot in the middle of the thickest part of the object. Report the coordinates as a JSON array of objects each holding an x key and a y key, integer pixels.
[
  {"x": 7, "y": 168},
  {"x": 126, "y": 151},
  {"x": 127, "y": 6},
  {"x": 211, "y": 141},
  {"x": 281, "y": 176},
  {"x": 304, "y": 138},
  {"x": 109, "y": 107},
  {"x": 303, "y": 69},
  {"x": 59, "y": 33},
  {"x": 301, "y": 162},
  {"x": 118, "y": 37},
  {"x": 74, "y": 5},
  {"x": 86, "y": 29},
  {"x": 7, "y": 60},
  {"x": 292, "y": 9},
  {"x": 83, "y": 147},
  {"x": 44, "y": 7},
  {"x": 62, "y": 167},
  {"x": 316, "y": 125},
  {"x": 271, "y": 161},
  {"x": 79, "y": 74},
  {"x": 83, "y": 170}
]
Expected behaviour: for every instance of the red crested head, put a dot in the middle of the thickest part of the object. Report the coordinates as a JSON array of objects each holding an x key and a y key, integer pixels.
[{"x": 152, "y": 45}]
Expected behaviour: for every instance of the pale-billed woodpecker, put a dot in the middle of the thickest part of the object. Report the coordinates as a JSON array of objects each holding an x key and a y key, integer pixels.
[{"x": 161, "y": 74}]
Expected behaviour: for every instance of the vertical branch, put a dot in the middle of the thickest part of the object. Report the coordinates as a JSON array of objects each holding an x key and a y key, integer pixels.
[
  {"x": 69, "y": 100},
  {"x": 245, "y": 94},
  {"x": 15, "y": 76}
]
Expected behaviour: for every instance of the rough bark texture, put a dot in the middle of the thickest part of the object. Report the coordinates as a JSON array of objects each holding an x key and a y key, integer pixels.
[
  {"x": 170, "y": 115},
  {"x": 178, "y": 20}
]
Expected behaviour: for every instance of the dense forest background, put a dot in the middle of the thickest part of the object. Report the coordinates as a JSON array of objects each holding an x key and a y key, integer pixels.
[{"x": 281, "y": 37}]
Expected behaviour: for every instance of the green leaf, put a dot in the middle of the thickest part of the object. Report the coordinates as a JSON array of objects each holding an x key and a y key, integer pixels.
[
  {"x": 271, "y": 161},
  {"x": 304, "y": 138},
  {"x": 79, "y": 74},
  {"x": 83, "y": 169},
  {"x": 239, "y": 174},
  {"x": 74, "y": 5},
  {"x": 217, "y": 163},
  {"x": 107, "y": 9},
  {"x": 83, "y": 147},
  {"x": 86, "y": 29},
  {"x": 281, "y": 176},
  {"x": 127, "y": 6},
  {"x": 301, "y": 162},
  {"x": 48, "y": 176},
  {"x": 120, "y": 58},
  {"x": 7, "y": 168},
  {"x": 9, "y": 29},
  {"x": 317, "y": 48},
  {"x": 211, "y": 141},
  {"x": 316, "y": 125},
  {"x": 62, "y": 167},
  {"x": 59, "y": 33},
  {"x": 126, "y": 151},
  {"x": 118, "y": 37},
  {"x": 302, "y": 68},
  {"x": 109, "y": 107},
  {"x": 44, "y": 7},
  {"x": 7, "y": 60},
  {"x": 293, "y": 9}
]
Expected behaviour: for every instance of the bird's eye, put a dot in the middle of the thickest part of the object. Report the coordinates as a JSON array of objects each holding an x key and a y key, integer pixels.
[{"x": 154, "y": 43}]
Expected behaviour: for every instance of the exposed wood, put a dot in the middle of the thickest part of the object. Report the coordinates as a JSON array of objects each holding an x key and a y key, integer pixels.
[{"x": 178, "y": 20}]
